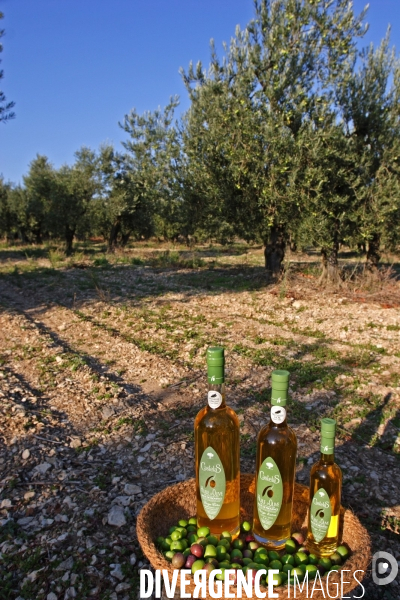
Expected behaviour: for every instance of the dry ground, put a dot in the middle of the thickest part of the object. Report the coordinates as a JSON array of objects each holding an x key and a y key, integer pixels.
[{"x": 102, "y": 373}]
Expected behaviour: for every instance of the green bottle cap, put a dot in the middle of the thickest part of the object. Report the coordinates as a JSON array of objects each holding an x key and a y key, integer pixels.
[
  {"x": 215, "y": 365},
  {"x": 328, "y": 430},
  {"x": 279, "y": 384},
  {"x": 328, "y": 427},
  {"x": 280, "y": 376}
]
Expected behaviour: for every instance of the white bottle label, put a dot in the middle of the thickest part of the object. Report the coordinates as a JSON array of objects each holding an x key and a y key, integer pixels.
[
  {"x": 214, "y": 399},
  {"x": 278, "y": 414}
]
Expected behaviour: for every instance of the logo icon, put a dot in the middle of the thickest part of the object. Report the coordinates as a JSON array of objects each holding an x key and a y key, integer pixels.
[
  {"x": 384, "y": 563},
  {"x": 321, "y": 493},
  {"x": 210, "y": 455},
  {"x": 269, "y": 465}
]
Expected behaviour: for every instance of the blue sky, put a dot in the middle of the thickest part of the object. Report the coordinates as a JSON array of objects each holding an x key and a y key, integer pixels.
[{"x": 76, "y": 67}]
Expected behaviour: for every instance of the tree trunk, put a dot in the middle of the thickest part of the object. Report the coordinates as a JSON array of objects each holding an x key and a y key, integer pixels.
[
  {"x": 69, "y": 238},
  {"x": 373, "y": 255},
  {"x": 274, "y": 252},
  {"x": 125, "y": 238},
  {"x": 113, "y": 237},
  {"x": 330, "y": 265}
]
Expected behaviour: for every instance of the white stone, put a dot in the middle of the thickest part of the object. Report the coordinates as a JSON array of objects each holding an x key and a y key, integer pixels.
[
  {"x": 66, "y": 565},
  {"x": 122, "y": 500},
  {"x": 116, "y": 516},
  {"x": 51, "y": 596},
  {"x": 131, "y": 489},
  {"x": 6, "y": 503},
  {"x": 146, "y": 448},
  {"x": 25, "y": 521},
  {"x": 117, "y": 572},
  {"x": 70, "y": 593},
  {"x": 122, "y": 587},
  {"x": 75, "y": 442},
  {"x": 26, "y": 454},
  {"x": 43, "y": 467},
  {"x": 29, "y": 495},
  {"x": 141, "y": 459},
  {"x": 133, "y": 559}
]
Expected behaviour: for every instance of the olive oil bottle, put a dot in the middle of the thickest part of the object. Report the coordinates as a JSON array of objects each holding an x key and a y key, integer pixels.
[
  {"x": 275, "y": 471},
  {"x": 217, "y": 455},
  {"x": 325, "y": 495}
]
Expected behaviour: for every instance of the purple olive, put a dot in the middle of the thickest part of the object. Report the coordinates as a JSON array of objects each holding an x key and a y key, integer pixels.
[
  {"x": 189, "y": 561},
  {"x": 197, "y": 550},
  {"x": 209, "y": 567},
  {"x": 178, "y": 560},
  {"x": 249, "y": 538},
  {"x": 253, "y": 546},
  {"x": 299, "y": 538},
  {"x": 247, "y": 554}
]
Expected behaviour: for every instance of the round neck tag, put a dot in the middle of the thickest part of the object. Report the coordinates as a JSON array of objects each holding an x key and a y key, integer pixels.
[
  {"x": 278, "y": 414},
  {"x": 214, "y": 399}
]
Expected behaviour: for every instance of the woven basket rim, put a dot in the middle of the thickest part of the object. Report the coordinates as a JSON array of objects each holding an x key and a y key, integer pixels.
[{"x": 354, "y": 534}]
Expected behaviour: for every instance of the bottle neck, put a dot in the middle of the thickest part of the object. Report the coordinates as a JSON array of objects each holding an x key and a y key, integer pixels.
[
  {"x": 328, "y": 459},
  {"x": 216, "y": 401}
]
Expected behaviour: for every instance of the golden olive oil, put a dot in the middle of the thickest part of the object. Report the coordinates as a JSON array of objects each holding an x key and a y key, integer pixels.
[
  {"x": 275, "y": 471},
  {"x": 325, "y": 496},
  {"x": 217, "y": 455}
]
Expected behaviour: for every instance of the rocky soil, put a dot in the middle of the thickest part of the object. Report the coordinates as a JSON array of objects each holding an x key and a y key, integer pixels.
[{"x": 102, "y": 374}]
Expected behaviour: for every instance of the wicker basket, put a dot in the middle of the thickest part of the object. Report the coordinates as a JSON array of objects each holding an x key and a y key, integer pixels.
[{"x": 179, "y": 501}]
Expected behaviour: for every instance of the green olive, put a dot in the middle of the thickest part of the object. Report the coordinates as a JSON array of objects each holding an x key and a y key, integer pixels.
[
  {"x": 192, "y": 537},
  {"x": 171, "y": 529},
  {"x": 313, "y": 559},
  {"x": 197, "y": 565},
  {"x": 300, "y": 558},
  {"x": 238, "y": 545},
  {"x": 343, "y": 551},
  {"x": 225, "y": 535},
  {"x": 335, "y": 558},
  {"x": 275, "y": 579},
  {"x": 236, "y": 554},
  {"x": 312, "y": 571},
  {"x": 326, "y": 563},
  {"x": 192, "y": 521},
  {"x": 273, "y": 555},
  {"x": 212, "y": 539},
  {"x": 210, "y": 551},
  {"x": 287, "y": 559},
  {"x": 203, "y": 532},
  {"x": 183, "y": 523},
  {"x": 178, "y": 546},
  {"x": 275, "y": 564},
  {"x": 169, "y": 555},
  {"x": 245, "y": 527},
  {"x": 290, "y": 547},
  {"x": 176, "y": 535}
]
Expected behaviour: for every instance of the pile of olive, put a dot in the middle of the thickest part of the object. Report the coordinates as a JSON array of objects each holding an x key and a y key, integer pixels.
[{"x": 188, "y": 547}]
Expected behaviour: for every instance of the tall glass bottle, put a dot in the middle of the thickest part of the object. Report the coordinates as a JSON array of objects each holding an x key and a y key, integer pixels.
[
  {"x": 217, "y": 455},
  {"x": 275, "y": 471},
  {"x": 325, "y": 495}
]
